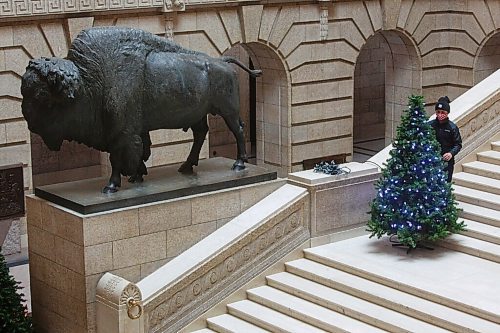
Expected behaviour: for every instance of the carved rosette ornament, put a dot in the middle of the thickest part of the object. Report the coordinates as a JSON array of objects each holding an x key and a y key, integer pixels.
[{"x": 206, "y": 286}]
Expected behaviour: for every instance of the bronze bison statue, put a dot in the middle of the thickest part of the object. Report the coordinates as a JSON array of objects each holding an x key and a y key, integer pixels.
[{"x": 117, "y": 84}]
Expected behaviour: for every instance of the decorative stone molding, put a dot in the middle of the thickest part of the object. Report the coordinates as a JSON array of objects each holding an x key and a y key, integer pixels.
[
  {"x": 174, "y": 6},
  {"x": 18, "y": 8},
  {"x": 479, "y": 125},
  {"x": 323, "y": 23},
  {"x": 212, "y": 281},
  {"x": 169, "y": 26},
  {"x": 119, "y": 305}
]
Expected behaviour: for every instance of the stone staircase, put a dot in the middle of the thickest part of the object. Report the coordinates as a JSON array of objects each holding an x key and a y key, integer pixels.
[{"x": 365, "y": 285}]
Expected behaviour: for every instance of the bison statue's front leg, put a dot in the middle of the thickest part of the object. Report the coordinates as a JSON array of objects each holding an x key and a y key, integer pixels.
[
  {"x": 200, "y": 131},
  {"x": 125, "y": 155}
]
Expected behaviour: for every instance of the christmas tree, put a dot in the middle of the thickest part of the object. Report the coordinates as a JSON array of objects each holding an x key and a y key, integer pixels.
[
  {"x": 13, "y": 314},
  {"x": 414, "y": 201}
]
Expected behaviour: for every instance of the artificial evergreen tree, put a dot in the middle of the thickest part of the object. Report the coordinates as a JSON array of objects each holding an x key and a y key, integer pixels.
[
  {"x": 414, "y": 201},
  {"x": 13, "y": 314}
]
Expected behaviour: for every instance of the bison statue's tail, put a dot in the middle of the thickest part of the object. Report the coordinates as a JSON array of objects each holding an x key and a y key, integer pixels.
[{"x": 252, "y": 72}]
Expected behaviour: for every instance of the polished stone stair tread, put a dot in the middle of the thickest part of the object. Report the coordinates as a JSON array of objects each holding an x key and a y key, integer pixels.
[
  {"x": 482, "y": 168},
  {"x": 269, "y": 319},
  {"x": 352, "y": 306},
  {"x": 205, "y": 330},
  {"x": 482, "y": 231},
  {"x": 495, "y": 145},
  {"x": 390, "y": 298},
  {"x": 308, "y": 312},
  {"x": 479, "y": 213},
  {"x": 227, "y": 323},
  {"x": 476, "y": 247},
  {"x": 481, "y": 198},
  {"x": 439, "y": 276},
  {"x": 489, "y": 156},
  {"x": 477, "y": 182}
]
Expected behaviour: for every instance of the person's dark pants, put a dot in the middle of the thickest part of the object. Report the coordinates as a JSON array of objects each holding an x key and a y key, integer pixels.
[{"x": 449, "y": 169}]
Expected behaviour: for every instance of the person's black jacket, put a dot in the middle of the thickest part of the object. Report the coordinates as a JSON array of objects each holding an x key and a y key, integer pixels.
[{"x": 448, "y": 136}]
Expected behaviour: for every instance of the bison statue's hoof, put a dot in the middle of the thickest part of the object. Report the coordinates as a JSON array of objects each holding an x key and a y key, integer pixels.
[
  {"x": 111, "y": 188},
  {"x": 135, "y": 179},
  {"x": 238, "y": 165},
  {"x": 186, "y": 168}
]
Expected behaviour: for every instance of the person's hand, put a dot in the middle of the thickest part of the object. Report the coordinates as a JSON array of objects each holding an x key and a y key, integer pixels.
[{"x": 447, "y": 157}]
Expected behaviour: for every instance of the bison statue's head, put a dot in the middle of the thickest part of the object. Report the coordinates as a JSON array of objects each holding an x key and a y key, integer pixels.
[{"x": 48, "y": 87}]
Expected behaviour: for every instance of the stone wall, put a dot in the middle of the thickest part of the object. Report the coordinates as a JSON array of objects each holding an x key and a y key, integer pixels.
[
  {"x": 70, "y": 252},
  {"x": 308, "y": 53}
]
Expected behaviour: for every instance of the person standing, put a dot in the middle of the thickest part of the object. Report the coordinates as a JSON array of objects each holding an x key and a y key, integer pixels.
[{"x": 447, "y": 134}]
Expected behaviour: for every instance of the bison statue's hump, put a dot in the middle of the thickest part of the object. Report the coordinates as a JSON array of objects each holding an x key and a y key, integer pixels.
[{"x": 117, "y": 84}]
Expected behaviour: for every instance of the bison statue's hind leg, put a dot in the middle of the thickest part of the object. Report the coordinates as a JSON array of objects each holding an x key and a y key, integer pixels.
[
  {"x": 236, "y": 126},
  {"x": 200, "y": 131},
  {"x": 146, "y": 153}
]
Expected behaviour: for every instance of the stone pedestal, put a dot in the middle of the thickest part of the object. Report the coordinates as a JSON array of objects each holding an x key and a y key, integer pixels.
[
  {"x": 339, "y": 202},
  {"x": 69, "y": 252}
]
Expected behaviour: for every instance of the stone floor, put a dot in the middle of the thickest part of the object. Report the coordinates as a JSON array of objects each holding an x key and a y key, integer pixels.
[{"x": 363, "y": 150}]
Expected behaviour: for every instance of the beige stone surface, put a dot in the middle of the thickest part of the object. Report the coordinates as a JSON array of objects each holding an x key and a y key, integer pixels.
[
  {"x": 41, "y": 242},
  {"x": 139, "y": 250},
  {"x": 19, "y": 153},
  {"x": 356, "y": 11},
  {"x": 98, "y": 258},
  {"x": 150, "y": 267},
  {"x": 54, "y": 32},
  {"x": 6, "y": 36},
  {"x": 295, "y": 36},
  {"x": 9, "y": 85},
  {"x": 418, "y": 10},
  {"x": 77, "y": 24},
  {"x": 69, "y": 255},
  {"x": 16, "y": 132},
  {"x": 281, "y": 27},
  {"x": 102, "y": 228},
  {"x": 161, "y": 217},
  {"x": 377, "y": 18},
  {"x": 252, "y": 15},
  {"x": 212, "y": 25},
  {"x": 57, "y": 276},
  {"x": 16, "y": 60},
  {"x": 232, "y": 24},
  {"x": 269, "y": 15},
  {"x": 154, "y": 24},
  {"x": 32, "y": 39},
  {"x": 181, "y": 239}
]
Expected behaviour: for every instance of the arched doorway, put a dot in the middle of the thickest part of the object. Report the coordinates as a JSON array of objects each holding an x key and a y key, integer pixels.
[
  {"x": 264, "y": 110},
  {"x": 387, "y": 71},
  {"x": 488, "y": 59}
]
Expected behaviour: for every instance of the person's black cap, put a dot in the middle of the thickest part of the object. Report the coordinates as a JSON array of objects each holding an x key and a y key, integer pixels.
[{"x": 443, "y": 104}]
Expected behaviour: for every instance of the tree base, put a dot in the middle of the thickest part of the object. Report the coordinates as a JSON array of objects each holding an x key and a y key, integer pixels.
[{"x": 399, "y": 244}]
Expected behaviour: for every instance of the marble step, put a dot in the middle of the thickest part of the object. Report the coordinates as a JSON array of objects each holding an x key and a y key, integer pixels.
[
  {"x": 477, "y": 182},
  {"x": 229, "y": 324},
  {"x": 476, "y": 197},
  {"x": 482, "y": 169},
  {"x": 388, "y": 297},
  {"x": 489, "y": 156},
  {"x": 205, "y": 330},
  {"x": 479, "y": 214},
  {"x": 269, "y": 319},
  {"x": 473, "y": 246},
  {"x": 440, "y": 275},
  {"x": 307, "y": 312},
  {"x": 482, "y": 231},
  {"x": 357, "y": 308},
  {"x": 495, "y": 146}
]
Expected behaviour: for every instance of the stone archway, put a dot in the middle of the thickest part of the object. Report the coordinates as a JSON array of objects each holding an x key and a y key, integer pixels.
[
  {"x": 266, "y": 114},
  {"x": 387, "y": 71},
  {"x": 488, "y": 59}
]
